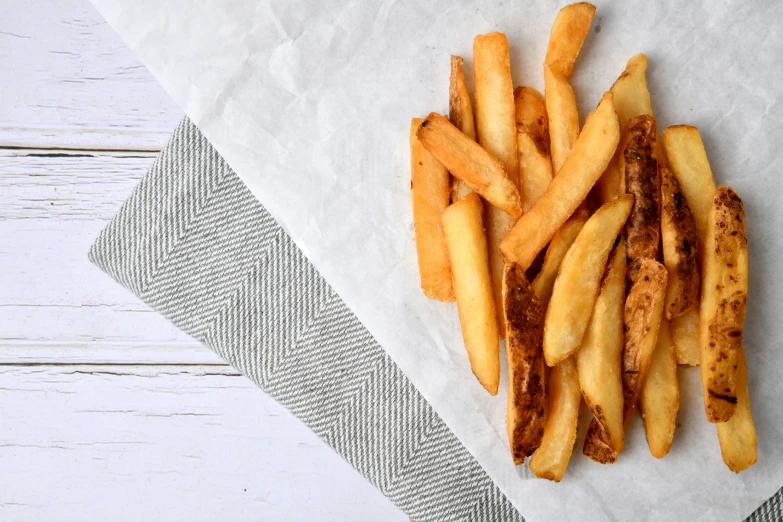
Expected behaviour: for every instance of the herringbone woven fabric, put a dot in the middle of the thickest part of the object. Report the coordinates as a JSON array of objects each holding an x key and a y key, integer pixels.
[{"x": 194, "y": 243}]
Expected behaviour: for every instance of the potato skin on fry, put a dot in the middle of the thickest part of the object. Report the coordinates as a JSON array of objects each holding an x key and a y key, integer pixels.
[
  {"x": 525, "y": 413},
  {"x": 737, "y": 436}
]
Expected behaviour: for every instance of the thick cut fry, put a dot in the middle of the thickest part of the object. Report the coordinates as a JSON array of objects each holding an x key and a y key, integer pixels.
[
  {"x": 569, "y": 31},
  {"x": 660, "y": 399},
  {"x": 467, "y": 245},
  {"x": 641, "y": 180},
  {"x": 737, "y": 436},
  {"x": 631, "y": 99},
  {"x": 535, "y": 165},
  {"x": 585, "y": 163},
  {"x": 468, "y": 161},
  {"x": 579, "y": 278},
  {"x": 564, "y": 238},
  {"x": 685, "y": 335},
  {"x": 461, "y": 116},
  {"x": 598, "y": 360},
  {"x": 524, "y": 335},
  {"x": 723, "y": 301},
  {"x": 680, "y": 247},
  {"x": 496, "y": 131},
  {"x": 430, "y": 197},
  {"x": 551, "y": 458}
]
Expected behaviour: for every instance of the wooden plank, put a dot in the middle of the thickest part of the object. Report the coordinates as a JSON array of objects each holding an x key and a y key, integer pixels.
[
  {"x": 28, "y": 353},
  {"x": 128, "y": 443}
]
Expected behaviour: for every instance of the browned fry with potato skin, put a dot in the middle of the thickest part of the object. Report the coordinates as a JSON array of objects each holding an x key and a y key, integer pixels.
[
  {"x": 737, "y": 436},
  {"x": 680, "y": 247},
  {"x": 461, "y": 115},
  {"x": 525, "y": 412},
  {"x": 641, "y": 180},
  {"x": 467, "y": 160}
]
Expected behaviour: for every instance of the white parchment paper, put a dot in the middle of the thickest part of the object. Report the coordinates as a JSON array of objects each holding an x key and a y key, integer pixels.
[{"x": 310, "y": 102}]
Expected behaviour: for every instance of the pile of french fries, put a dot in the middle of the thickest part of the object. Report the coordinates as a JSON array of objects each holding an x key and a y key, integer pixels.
[{"x": 605, "y": 256}]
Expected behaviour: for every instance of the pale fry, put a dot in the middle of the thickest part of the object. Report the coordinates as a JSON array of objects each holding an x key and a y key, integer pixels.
[
  {"x": 680, "y": 247},
  {"x": 525, "y": 411},
  {"x": 429, "y": 198},
  {"x": 462, "y": 226},
  {"x": 579, "y": 278},
  {"x": 496, "y": 131},
  {"x": 585, "y": 163},
  {"x": 631, "y": 99},
  {"x": 737, "y": 436},
  {"x": 685, "y": 335},
  {"x": 467, "y": 160},
  {"x": 461, "y": 116},
  {"x": 551, "y": 458},
  {"x": 723, "y": 302},
  {"x": 564, "y": 238},
  {"x": 535, "y": 164},
  {"x": 598, "y": 359},
  {"x": 660, "y": 399}
]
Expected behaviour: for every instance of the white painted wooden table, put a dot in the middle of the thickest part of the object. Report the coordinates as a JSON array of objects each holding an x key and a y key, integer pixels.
[{"x": 108, "y": 412}]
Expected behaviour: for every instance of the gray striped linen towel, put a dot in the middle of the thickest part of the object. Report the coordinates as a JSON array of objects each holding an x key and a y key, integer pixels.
[{"x": 192, "y": 242}]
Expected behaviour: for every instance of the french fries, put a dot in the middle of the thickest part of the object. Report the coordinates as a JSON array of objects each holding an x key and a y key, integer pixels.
[
  {"x": 468, "y": 161},
  {"x": 569, "y": 31},
  {"x": 724, "y": 297},
  {"x": 524, "y": 334},
  {"x": 660, "y": 398},
  {"x": 685, "y": 336},
  {"x": 579, "y": 278},
  {"x": 429, "y": 198},
  {"x": 564, "y": 238},
  {"x": 737, "y": 436},
  {"x": 585, "y": 163},
  {"x": 535, "y": 164},
  {"x": 461, "y": 116},
  {"x": 551, "y": 458},
  {"x": 598, "y": 359},
  {"x": 462, "y": 226},
  {"x": 496, "y": 131}
]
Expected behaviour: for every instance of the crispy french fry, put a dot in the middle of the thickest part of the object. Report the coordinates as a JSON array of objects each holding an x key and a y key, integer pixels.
[
  {"x": 569, "y": 31},
  {"x": 631, "y": 99},
  {"x": 524, "y": 334},
  {"x": 685, "y": 335},
  {"x": 680, "y": 247},
  {"x": 585, "y": 163},
  {"x": 579, "y": 278},
  {"x": 535, "y": 164},
  {"x": 561, "y": 242},
  {"x": 496, "y": 131},
  {"x": 467, "y": 160},
  {"x": 737, "y": 436},
  {"x": 461, "y": 116},
  {"x": 660, "y": 398},
  {"x": 598, "y": 359},
  {"x": 551, "y": 458},
  {"x": 430, "y": 197},
  {"x": 462, "y": 227},
  {"x": 723, "y": 302}
]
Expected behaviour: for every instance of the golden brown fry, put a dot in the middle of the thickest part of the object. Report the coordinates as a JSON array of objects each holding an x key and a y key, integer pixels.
[
  {"x": 569, "y": 31},
  {"x": 641, "y": 180},
  {"x": 430, "y": 197},
  {"x": 579, "y": 278},
  {"x": 588, "y": 159},
  {"x": 564, "y": 238},
  {"x": 535, "y": 165},
  {"x": 551, "y": 458},
  {"x": 723, "y": 301},
  {"x": 598, "y": 359},
  {"x": 461, "y": 116},
  {"x": 737, "y": 436},
  {"x": 631, "y": 99},
  {"x": 660, "y": 399},
  {"x": 525, "y": 331},
  {"x": 685, "y": 335},
  {"x": 680, "y": 247},
  {"x": 467, "y": 245},
  {"x": 467, "y": 160}
]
